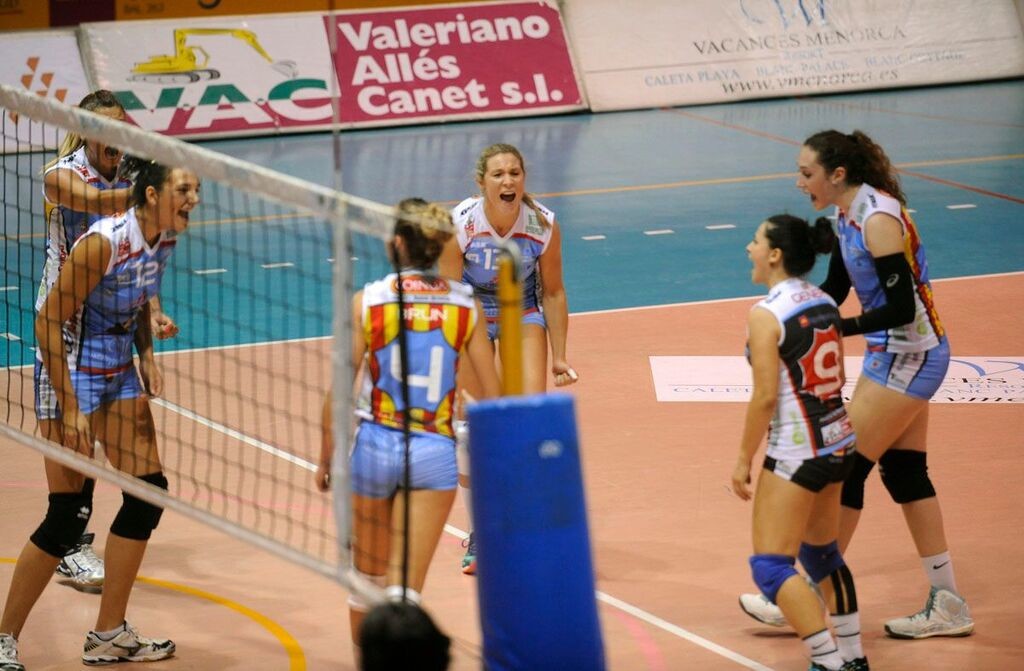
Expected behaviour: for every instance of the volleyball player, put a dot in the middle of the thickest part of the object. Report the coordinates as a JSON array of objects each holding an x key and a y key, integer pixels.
[
  {"x": 79, "y": 187},
  {"x": 881, "y": 254},
  {"x": 96, "y": 311},
  {"x": 504, "y": 211},
  {"x": 443, "y": 332},
  {"x": 795, "y": 351}
]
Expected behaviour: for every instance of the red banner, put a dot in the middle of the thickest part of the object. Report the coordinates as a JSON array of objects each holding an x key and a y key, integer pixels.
[{"x": 455, "y": 61}]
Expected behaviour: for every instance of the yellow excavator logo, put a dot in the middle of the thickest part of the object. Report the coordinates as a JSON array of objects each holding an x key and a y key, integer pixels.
[{"x": 188, "y": 64}]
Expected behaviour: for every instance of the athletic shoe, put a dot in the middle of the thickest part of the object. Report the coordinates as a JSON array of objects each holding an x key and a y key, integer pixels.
[
  {"x": 469, "y": 559},
  {"x": 82, "y": 568},
  {"x": 944, "y": 614},
  {"x": 9, "y": 654},
  {"x": 126, "y": 646},
  {"x": 761, "y": 609},
  {"x": 859, "y": 664}
]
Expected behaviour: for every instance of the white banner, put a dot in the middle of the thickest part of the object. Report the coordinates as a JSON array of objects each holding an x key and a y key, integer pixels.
[
  {"x": 667, "y": 52},
  {"x": 970, "y": 379},
  {"x": 47, "y": 63},
  {"x": 215, "y": 76}
]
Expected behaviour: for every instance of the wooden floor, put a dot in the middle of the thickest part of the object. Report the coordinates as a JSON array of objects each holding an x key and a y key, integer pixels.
[{"x": 670, "y": 542}]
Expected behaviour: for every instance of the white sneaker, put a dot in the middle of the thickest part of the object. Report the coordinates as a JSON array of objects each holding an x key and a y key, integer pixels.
[
  {"x": 9, "y": 654},
  {"x": 944, "y": 614},
  {"x": 761, "y": 609},
  {"x": 126, "y": 646},
  {"x": 82, "y": 568}
]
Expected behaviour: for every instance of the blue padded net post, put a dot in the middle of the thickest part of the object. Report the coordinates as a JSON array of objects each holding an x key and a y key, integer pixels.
[{"x": 535, "y": 576}]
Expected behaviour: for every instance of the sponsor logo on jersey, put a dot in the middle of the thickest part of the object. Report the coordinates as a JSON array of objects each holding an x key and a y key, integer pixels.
[
  {"x": 124, "y": 247},
  {"x": 421, "y": 285},
  {"x": 533, "y": 225}
]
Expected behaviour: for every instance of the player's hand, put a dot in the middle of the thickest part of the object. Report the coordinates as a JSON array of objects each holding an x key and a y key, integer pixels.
[
  {"x": 323, "y": 477},
  {"x": 162, "y": 325},
  {"x": 152, "y": 378},
  {"x": 741, "y": 479},
  {"x": 564, "y": 374},
  {"x": 77, "y": 432}
]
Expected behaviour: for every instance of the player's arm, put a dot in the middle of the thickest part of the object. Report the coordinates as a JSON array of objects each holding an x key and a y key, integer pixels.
[
  {"x": 161, "y": 323},
  {"x": 449, "y": 264},
  {"x": 65, "y": 187},
  {"x": 883, "y": 235},
  {"x": 480, "y": 354},
  {"x": 837, "y": 282},
  {"x": 80, "y": 274},
  {"x": 556, "y": 307},
  {"x": 763, "y": 340}
]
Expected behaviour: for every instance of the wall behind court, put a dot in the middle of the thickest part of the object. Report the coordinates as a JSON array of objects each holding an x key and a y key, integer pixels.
[{"x": 29, "y": 14}]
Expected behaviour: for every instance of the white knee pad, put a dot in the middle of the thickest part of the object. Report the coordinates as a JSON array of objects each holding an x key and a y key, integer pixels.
[
  {"x": 395, "y": 593},
  {"x": 462, "y": 447},
  {"x": 356, "y": 602}
]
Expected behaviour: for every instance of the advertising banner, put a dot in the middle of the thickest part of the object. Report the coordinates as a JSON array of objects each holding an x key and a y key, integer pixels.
[
  {"x": 473, "y": 60},
  {"x": 45, "y": 62},
  {"x": 174, "y": 9},
  {"x": 705, "y": 51},
  {"x": 264, "y": 74}
]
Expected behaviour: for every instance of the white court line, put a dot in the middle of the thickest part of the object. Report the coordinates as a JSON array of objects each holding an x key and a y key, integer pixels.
[
  {"x": 8, "y": 288},
  {"x": 720, "y": 227},
  {"x": 210, "y": 271},
  {"x": 660, "y": 231},
  {"x": 593, "y": 237},
  {"x": 962, "y": 206},
  {"x": 282, "y": 264},
  {"x": 237, "y": 435},
  {"x": 9, "y": 336}
]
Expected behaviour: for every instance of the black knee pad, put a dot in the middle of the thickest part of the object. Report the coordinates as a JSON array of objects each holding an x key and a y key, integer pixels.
[
  {"x": 905, "y": 474},
  {"x": 66, "y": 518},
  {"x": 853, "y": 486},
  {"x": 137, "y": 518}
]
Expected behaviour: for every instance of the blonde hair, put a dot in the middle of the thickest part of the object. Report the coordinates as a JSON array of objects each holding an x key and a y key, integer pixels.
[
  {"x": 500, "y": 148},
  {"x": 97, "y": 100},
  {"x": 425, "y": 227}
]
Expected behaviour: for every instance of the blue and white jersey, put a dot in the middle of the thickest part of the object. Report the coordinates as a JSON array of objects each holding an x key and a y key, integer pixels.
[
  {"x": 64, "y": 225},
  {"x": 480, "y": 249},
  {"x": 98, "y": 338},
  {"x": 810, "y": 419},
  {"x": 925, "y": 331}
]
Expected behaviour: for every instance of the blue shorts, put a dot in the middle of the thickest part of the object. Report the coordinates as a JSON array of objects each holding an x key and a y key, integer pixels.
[
  {"x": 93, "y": 390},
  {"x": 915, "y": 374},
  {"x": 378, "y": 461},
  {"x": 533, "y": 317}
]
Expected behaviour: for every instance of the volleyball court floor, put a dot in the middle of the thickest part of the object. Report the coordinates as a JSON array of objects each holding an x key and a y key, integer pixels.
[{"x": 656, "y": 208}]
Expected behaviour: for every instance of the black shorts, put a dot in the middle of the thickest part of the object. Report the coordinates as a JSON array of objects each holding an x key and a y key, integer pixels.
[{"x": 813, "y": 474}]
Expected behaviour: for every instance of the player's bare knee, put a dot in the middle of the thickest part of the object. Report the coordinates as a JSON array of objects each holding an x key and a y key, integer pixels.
[{"x": 905, "y": 474}]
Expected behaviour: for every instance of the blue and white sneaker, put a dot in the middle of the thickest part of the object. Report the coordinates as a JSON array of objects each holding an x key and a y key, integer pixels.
[
  {"x": 81, "y": 567},
  {"x": 9, "y": 654},
  {"x": 126, "y": 646}
]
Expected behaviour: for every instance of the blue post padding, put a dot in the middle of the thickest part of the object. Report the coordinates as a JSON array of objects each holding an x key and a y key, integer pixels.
[{"x": 535, "y": 578}]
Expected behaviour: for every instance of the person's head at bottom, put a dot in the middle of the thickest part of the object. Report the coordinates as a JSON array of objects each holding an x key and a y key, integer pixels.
[{"x": 400, "y": 635}]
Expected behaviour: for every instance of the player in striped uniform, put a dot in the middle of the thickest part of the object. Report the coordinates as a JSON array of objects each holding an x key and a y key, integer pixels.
[
  {"x": 795, "y": 351},
  {"x": 505, "y": 212},
  {"x": 881, "y": 254},
  {"x": 95, "y": 313},
  {"x": 443, "y": 330}
]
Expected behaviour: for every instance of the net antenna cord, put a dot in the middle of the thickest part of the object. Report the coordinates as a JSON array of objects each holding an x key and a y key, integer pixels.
[{"x": 510, "y": 318}]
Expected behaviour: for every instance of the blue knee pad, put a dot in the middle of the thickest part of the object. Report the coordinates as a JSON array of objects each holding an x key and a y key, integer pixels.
[
  {"x": 852, "y": 495},
  {"x": 821, "y": 561},
  {"x": 770, "y": 571},
  {"x": 905, "y": 475}
]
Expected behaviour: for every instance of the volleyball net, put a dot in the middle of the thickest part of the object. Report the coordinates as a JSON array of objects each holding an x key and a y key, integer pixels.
[{"x": 259, "y": 286}]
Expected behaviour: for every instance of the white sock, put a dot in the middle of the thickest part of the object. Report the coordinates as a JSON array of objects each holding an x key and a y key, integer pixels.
[
  {"x": 467, "y": 500},
  {"x": 939, "y": 569},
  {"x": 848, "y": 635},
  {"x": 823, "y": 650},
  {"x": 107, "y": 635}
]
